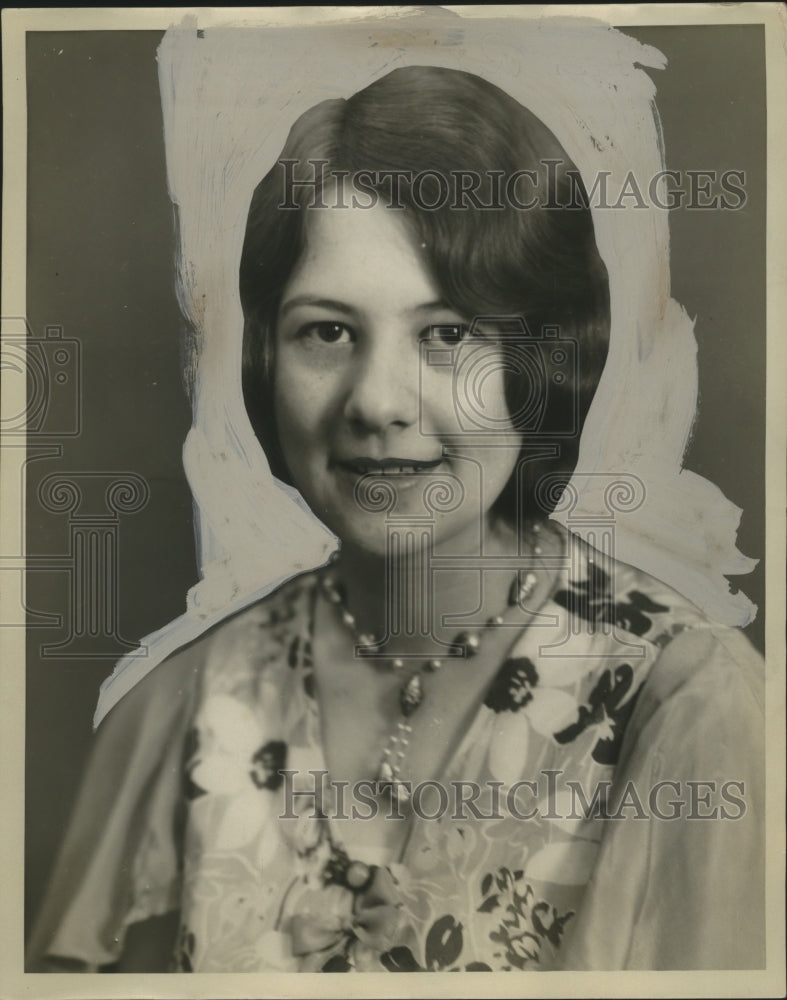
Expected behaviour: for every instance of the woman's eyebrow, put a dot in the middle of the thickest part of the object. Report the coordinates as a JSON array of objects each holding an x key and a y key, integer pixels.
[
  {"x": 336, "y": 306},
  {"x": 431, "y": 306},
  {"x": 313, "y": 300}
]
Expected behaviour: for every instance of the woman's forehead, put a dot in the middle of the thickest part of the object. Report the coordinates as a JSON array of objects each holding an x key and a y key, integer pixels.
[{"x": 367, "y": 256}]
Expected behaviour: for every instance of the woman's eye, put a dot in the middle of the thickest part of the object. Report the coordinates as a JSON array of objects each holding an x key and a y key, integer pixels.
[
  {"x": 448, "y": 333},
  {"x": 327, "y": 333}
]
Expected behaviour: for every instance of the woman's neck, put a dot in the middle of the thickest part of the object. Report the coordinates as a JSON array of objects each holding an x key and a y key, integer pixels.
[{"x": 405, "y": 596}]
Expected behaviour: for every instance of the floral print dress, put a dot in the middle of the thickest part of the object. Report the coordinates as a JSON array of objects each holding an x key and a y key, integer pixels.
[{"x": 492, "y": 886}]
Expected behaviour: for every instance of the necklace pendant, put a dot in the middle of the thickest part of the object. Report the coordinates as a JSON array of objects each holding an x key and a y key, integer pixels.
[
  {"x": 411, "y": 695},
  {"x": 388, "y": 781},
  {"x": 470, "y": 641},
  {"x": 385, "y": 774},
  {"x": 398, "y": 790},
  {"x": 521, "y": 589},
  {"x": 333, "y": 591}
]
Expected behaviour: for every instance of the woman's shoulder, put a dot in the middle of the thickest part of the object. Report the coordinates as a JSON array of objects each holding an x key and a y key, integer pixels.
[
  {"x": 711, "y": 663},
  {"x": 701, "y": 708},
  {"x": 694, "y": 651},
  {"x": 693, "y": 749},
  {"x": 161, "y": 694},
  {"x": 175, "y": 682},
  {"x": 120, "y": 859},
  {"x": 701, "y": 684},
  {"x": 595, "y": 587}
]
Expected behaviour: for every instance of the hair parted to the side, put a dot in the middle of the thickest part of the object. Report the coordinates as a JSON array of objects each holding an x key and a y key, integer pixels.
[{"x": 540, "y": 263}]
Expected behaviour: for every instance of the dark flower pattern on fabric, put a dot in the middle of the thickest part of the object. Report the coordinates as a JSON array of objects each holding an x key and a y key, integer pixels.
[
  {"x": 400, "y": 959},
  {"x": 663, "y": 639},
  {"x": 444, "y": 943},
  {"x": 593, "y": 600},
  {"x": 267, "y": 763},
  {"x": 548, "y": 922},
  {"x": 513, "y": 685},
  {"x": 184, "y": 951},
  {"x": 631, "y": 615},
  {"x": 527, "y": 925},
  {"x": 338, "y": 963},
  {"x": 191, "y": 789},
  {"x": 299, "y": 654},
  {"x": 281, "y": 611},
  {"x": 502, "y": 880},
  {"x": 607, "y": 711}
]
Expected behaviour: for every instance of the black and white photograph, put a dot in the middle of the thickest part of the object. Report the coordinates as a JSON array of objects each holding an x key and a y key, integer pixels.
[{"x": 393, "y": 500}]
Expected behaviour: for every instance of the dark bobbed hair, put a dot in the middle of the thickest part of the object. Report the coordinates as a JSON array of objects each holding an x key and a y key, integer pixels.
[{"x": 540, "y": 264}]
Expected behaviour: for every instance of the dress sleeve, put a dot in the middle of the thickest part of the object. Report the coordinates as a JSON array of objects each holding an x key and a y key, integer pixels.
[
  {"x": 685, "y": 892},
  {"x": 120, "y": 860}
]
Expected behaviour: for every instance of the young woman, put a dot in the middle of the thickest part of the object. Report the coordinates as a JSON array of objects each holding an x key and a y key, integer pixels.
[{"x": 471, "y": 742}]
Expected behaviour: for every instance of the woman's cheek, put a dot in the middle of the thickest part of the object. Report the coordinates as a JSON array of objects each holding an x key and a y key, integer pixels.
[
  {"x": 441, "y": 400},
  {"x": 299, "y": 402},
  {"x": 468, "y": 397}
]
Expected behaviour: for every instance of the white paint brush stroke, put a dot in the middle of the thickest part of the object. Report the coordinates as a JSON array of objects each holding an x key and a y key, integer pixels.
[{"x": 229, "y": 100}]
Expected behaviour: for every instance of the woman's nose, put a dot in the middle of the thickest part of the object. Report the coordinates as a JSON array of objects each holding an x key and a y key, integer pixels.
[{"x": 384, "y": 385}]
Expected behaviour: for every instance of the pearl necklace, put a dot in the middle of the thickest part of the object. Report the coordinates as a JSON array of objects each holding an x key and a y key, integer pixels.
[{"x": 412, "y": 690}]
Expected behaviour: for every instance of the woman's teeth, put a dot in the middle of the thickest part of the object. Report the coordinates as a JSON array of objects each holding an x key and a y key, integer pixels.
[{"x": 389, "y": 468}]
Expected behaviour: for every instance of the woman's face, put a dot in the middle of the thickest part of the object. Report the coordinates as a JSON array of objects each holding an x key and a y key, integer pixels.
[{"x": 355, "y": 393}]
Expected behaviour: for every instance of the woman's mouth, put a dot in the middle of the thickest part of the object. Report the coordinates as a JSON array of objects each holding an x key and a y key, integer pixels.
[{"x": 393, "y": 466}]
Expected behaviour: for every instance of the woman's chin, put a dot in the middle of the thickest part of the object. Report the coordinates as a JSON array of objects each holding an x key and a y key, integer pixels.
[
  {"x": 368, "y": 539},
  {"x": 391, "y": 517}
]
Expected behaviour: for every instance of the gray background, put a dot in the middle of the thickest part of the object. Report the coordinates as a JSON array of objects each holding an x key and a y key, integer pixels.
[{"x": 100, "y": 264}]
